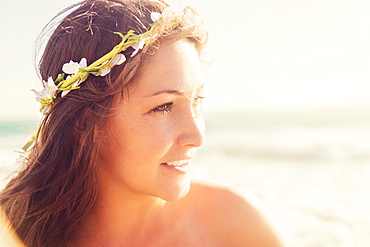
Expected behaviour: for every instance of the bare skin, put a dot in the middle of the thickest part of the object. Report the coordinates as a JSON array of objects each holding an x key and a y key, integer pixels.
[
  {"x": 143, "y": 200},
  {"x": 208, "y": 216}
]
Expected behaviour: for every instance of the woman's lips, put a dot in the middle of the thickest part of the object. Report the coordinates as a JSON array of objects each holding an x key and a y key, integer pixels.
[{"x": 181, "y": 165}]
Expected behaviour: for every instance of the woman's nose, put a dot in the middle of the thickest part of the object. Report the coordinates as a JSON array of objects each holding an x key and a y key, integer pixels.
[{"x": 192, "y": 131}]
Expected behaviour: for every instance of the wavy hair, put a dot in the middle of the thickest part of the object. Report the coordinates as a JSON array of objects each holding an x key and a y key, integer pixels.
[{"x": 57, "y": 186}]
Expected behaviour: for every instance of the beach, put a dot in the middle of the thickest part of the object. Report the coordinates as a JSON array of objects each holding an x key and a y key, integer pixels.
[{"x": 310, "y": 168}]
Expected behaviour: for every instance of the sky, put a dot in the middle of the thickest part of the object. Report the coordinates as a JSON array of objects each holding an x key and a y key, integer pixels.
[{"x": 267, "y": 54}]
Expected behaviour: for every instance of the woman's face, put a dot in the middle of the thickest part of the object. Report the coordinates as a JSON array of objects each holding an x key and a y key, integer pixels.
[{"x": 154, "y": 131}]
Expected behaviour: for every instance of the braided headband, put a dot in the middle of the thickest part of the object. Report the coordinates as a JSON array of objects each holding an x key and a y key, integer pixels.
[{"x": 76, "y": 73}]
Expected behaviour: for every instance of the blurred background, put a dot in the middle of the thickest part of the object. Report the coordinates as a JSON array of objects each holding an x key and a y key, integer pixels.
[{"x": 287, "y": 107}]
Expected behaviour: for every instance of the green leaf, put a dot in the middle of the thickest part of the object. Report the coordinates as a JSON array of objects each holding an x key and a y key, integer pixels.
[
  {"x": 96, "y": 73},
  {"x": 83, "y": 76},
  {"x": 29, "y": 143},
  {"x": 59, "y": 78}
]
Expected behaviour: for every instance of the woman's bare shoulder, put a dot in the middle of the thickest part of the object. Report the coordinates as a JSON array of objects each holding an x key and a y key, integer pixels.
[{"x": 240, "y": 219}]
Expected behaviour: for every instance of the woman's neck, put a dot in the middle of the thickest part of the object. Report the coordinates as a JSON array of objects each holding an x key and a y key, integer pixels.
[{"x": 124, "y": 217}]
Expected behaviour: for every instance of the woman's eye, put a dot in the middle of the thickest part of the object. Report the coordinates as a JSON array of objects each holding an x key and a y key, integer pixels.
[
  {"x": 199, "y": 99},
  {"x": 165, "y": 108},
  {"x": 197, "y": 105}
]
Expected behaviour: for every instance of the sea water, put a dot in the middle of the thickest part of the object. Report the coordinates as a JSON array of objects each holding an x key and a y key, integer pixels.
[{"x": 310, "y": 168}]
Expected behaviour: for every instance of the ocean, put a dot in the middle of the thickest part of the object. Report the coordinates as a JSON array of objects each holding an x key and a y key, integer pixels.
[{"x": 309, "y": 167}]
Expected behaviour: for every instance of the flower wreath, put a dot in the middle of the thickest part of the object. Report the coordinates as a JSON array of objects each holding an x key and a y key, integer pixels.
[{"x": 76, "y": 73}]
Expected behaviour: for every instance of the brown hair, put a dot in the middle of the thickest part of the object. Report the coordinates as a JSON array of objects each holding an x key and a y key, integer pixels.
[{"x": 58, "y": 186}]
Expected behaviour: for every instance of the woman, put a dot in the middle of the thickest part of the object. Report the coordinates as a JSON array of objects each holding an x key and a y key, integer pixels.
[{"x": 111, "y": 160}]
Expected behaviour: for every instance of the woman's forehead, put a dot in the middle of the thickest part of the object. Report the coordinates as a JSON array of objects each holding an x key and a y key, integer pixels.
[{"x": 176, "y": 66}]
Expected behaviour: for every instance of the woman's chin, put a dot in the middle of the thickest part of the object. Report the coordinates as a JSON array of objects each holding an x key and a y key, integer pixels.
[{"x": 176, "y": 191}]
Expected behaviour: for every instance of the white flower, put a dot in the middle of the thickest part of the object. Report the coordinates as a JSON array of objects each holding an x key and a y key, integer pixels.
[
  {"x": 138, "y": 46},
  {"x": 155, "y": 16},
  {"x": 183, "y": 16},
  {"x": 190, "y": 20},
  {"x": 172, "y": 14},
  {"x": 72, "y": 68},
  {"x": 117, "y": 60},
  {"x": 47, "y": 92},
  {"x": 50, "y": 85}
]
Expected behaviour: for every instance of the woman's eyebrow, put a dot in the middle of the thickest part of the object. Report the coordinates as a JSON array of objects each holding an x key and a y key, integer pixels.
[
  {"x": 167, "y": 91},
  {"x": 172, "y": 91}
]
